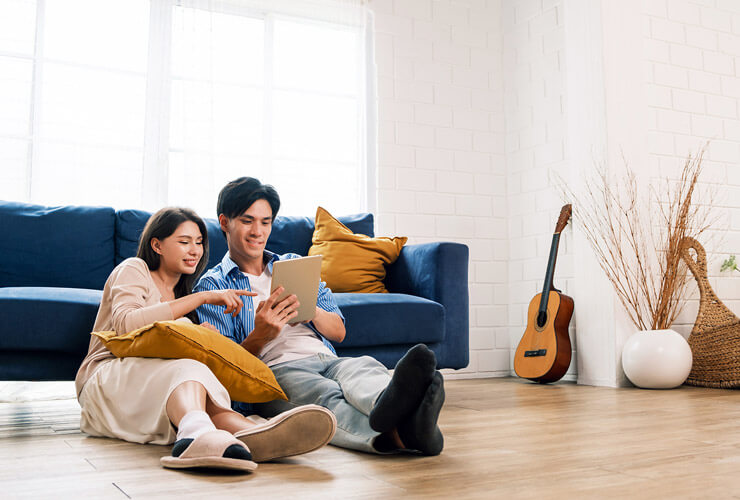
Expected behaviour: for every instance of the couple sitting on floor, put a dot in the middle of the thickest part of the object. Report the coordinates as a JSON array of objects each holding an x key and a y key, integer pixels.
[{"x": 352, "y": 402}]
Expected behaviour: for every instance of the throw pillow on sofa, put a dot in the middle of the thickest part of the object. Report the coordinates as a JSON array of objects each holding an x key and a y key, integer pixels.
[
  {"x": 245, "y": 377},
  {"x": 352, "y": 262}
]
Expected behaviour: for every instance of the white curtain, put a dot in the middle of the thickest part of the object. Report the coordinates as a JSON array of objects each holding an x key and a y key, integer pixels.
[
  {"x": 274, "y": 90},
  {"x": 73, "y": 76},
  {"x": 150, "y": 103}
]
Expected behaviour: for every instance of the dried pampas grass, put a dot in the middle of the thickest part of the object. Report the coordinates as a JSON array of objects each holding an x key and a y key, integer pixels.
[{"x": 636, "y": 237}]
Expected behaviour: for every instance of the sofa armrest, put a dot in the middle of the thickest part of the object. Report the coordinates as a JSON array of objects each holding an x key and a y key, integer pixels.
[{"x": 438, "y": 272}]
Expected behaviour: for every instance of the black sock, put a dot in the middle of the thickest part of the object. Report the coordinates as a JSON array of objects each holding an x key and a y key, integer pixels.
[
  {"x": 180, "y": 446},
  {"x": 237, "y": 451},
  {"x": 384, "y": 443},
  {"x": 411, "y": 377},
  {"x": 420, "y": 431}
]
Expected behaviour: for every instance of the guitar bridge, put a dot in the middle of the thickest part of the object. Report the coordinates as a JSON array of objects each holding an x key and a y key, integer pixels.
[{"x": 534, "y": 354}]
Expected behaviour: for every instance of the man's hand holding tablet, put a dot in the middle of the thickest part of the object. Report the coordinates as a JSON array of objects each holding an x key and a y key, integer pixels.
[
  {"x": 299, "y": 277},
  {"x": 294, "y": 291}
]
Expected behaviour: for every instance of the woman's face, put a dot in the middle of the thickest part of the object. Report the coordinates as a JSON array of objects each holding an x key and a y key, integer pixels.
[{"x": 181, "y": 251}]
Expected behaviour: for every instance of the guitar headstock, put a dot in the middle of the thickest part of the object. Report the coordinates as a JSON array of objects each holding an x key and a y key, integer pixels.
[{"x": 565, "y": 214}]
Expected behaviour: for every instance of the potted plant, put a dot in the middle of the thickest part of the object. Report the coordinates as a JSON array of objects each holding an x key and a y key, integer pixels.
[{"x": 635, "y": 230}]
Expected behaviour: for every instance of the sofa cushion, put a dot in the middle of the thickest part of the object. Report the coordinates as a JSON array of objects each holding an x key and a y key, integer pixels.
[
  {"x": 242, "y": 374},
  {"x": 374, "y": 319},
  {"x": 47, "y": 319},
  {"x": 352, "y": 262},
  {"x": 293, "y": 234},
  {"x": 68, "y": 246},
  {"x": 130, "y": 224},
  {"x": 39, "y": 365}
]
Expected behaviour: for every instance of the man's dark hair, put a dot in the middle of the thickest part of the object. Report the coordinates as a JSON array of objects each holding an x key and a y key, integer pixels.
[{"x": 238, "y": 195}]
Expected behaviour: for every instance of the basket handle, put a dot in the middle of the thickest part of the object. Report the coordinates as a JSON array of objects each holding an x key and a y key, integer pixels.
[
  {"x": 698, "y": 267},
  {"x": 712, "y": 312}
]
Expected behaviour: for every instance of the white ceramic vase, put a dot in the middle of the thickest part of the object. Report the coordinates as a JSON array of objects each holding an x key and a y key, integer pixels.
[{"x": 656, "y": 359}]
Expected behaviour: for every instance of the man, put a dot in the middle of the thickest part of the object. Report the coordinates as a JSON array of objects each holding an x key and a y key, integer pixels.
[{"x": 375, "y": 412}]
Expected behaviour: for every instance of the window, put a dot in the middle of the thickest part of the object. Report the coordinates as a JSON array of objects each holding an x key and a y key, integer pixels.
[{"x": 142, "y": 103}]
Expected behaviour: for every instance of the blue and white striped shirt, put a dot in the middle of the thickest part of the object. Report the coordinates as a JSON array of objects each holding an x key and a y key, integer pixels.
[{"x": 227, "y": 275}]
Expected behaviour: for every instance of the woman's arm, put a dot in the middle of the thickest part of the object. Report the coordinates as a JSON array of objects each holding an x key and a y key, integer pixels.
[
  {"x": 182, "y": 306},
  {"x": 231, "y": 299},
  {"x": 131, "y": 290}
]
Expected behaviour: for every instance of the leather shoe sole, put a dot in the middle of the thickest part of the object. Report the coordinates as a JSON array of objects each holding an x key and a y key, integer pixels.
[{"x": 294, "y": 432}]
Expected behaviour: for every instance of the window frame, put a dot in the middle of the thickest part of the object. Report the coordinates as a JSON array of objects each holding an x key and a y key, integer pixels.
[{"x": 156, "y": 147}]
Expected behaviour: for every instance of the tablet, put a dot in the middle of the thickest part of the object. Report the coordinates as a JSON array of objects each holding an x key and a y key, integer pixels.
[{"x": 299, "y": 277}]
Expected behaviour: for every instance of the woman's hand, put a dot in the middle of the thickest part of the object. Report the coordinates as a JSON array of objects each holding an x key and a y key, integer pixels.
[{"x": 232, "y": 299}]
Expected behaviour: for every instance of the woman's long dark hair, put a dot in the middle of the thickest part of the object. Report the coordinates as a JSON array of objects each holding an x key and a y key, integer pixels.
[{"x": 163, "y": 224}]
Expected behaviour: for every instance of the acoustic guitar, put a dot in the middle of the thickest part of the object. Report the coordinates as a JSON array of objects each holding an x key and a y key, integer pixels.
[{"x": 543, "y": 354}]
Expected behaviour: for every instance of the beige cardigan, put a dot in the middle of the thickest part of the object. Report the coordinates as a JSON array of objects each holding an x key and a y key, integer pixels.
[{"x": 130, "y": 300}]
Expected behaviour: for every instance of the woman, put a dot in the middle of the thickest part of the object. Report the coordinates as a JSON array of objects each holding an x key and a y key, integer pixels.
[{"x": 161, "y": 401}]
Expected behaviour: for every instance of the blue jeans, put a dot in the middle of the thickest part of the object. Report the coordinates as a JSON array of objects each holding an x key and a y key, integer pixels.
[{"x": 348, "y": 387}]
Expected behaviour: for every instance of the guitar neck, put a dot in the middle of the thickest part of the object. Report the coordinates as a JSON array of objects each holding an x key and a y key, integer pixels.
[
  {"x": 565, "y": 213},
  {"x": 550, "y": 272}
]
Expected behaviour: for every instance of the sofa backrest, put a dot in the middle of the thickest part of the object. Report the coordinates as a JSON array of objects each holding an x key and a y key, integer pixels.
[
  {"x": 78, "y": 246},
  {"x": 70, "y": 247},
  {"x": 289, "y": 234},
  {"x": 293, "y": 234}
]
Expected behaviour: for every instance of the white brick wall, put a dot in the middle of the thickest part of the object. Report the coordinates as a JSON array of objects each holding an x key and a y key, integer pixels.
[
  {"x": 535, "y": 149},
  {"x": 472, "y": 129},
  {"x": 441, "y": 167},
  {"x": 695, "y": 95}
]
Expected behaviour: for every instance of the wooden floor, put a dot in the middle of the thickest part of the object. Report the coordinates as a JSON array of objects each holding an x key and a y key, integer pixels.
[{"x": 505, "y": 438}]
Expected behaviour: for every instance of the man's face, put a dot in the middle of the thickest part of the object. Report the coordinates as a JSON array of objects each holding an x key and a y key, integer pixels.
[{"x": 247, "y": 233}]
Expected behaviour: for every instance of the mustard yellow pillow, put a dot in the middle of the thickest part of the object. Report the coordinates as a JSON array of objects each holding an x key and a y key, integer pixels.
[
  {"x": 352, "y": 262},
  {"x": 245, "y": 377}
]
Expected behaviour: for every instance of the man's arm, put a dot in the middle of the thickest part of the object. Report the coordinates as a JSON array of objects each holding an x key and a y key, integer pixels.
[
  {"x": 329, "y": 324},
  {"x": 328, "y": 320}
]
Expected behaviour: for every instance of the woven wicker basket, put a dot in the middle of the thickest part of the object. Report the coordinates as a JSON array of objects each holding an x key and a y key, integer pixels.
[{"x": 715, "y": 339}]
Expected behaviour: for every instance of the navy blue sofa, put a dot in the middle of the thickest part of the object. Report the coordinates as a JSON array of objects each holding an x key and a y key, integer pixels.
[{"x": 54, "y": 262}]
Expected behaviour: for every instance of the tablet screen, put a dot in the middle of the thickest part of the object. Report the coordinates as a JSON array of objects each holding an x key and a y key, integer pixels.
[{"x": 301, "y": 278}]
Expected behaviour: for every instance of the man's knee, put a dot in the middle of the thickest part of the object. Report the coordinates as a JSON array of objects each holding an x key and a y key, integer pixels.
[
  {"x": 358, "y": 367},
  {"x": 329, "y": 396}
]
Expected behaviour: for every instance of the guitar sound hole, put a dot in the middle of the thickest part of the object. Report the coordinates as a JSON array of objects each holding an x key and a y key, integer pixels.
[{"x": 541, "y": 319}]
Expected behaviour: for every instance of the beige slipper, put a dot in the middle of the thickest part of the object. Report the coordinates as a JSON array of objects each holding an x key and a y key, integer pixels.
[
  {"x": 294, "y": 432},
  {"x": 207, "y": 451}
]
